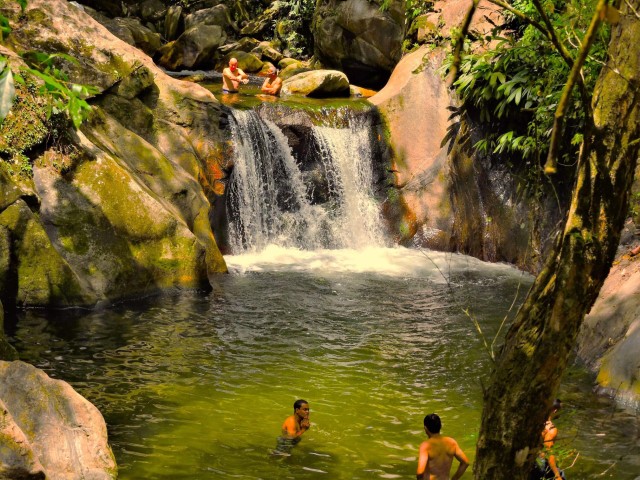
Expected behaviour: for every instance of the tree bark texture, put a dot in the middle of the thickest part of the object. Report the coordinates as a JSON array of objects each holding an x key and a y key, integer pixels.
[{"x": 528, "y": 371}]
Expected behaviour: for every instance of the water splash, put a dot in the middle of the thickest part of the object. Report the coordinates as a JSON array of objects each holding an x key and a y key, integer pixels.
[{"x": 270, "y": 203}]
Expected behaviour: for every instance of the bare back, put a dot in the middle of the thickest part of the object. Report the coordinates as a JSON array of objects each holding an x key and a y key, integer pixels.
[{"x": 436, "y": 458}]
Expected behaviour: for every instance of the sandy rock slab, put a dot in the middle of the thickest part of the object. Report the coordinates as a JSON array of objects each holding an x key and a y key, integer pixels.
[{"x": 48, "y": 430}]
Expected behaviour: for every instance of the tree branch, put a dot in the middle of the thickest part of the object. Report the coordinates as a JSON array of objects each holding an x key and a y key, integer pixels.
[
  {"x": 457, "y": 51},
  {"x": 574, "y": 76}
]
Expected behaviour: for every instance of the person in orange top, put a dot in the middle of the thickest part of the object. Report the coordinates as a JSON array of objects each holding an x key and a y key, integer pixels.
[
  {"x": 436, "y": 454},
  {"x": 298, "y": 423}
]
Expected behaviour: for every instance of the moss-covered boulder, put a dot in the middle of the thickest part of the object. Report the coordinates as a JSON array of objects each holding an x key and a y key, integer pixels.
[
  {"x": 609, "y": 340},
  {"x": 248, "y": 62},
  {"x": 317, "y": 83},
  {"x": 47, "y": 430},
  {"x": 195, "y": 48},
  {"x": 122, "y": 207},
  {"x": 444, "y": 196},
  {"x": 360, "y": 38}
]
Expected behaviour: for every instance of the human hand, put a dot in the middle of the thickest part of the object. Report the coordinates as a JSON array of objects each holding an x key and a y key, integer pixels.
[
  {"x": 245, "y": 81},
  {"x": 305, "y": 423}
]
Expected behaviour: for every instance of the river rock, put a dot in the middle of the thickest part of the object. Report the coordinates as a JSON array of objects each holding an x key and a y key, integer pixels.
[
  {"x": 294, "y": 69},
  {"x": 247, "y": 62},
  {"x": 134, "y": 33},
  {"x": 444, "y": 193},
  {"x": 358, "y": 38},
  {"x": 194, "y": 48},
  {"x": 266, "y": 51},
  {"x": 257, "y": 27},
  {"x": 218, "y": 15},
  {"x": 317, "y": 83},
  {"x": 48, "y": 429},
  {"x": 152, "y": 11},
  {"x": 126, "y": 213},
  {"x": 173, "y": 23},
  {"x": 609, "y": 340},
  {"x": 245, "y": 44}
]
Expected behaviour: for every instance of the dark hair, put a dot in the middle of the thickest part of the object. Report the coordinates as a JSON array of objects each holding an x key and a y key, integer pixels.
[
  {"x": 298, "y": 404},
  {"x": 433, "y": 423}
]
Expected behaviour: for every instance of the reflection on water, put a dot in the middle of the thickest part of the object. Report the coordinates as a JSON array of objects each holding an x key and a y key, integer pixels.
[{"x": 196, "y": 386}]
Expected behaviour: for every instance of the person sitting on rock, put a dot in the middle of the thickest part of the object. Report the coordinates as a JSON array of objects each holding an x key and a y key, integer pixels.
[{"x": 272, "y": 83}]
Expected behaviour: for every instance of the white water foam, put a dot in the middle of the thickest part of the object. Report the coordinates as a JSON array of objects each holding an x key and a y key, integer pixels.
[{"x": 394, "y": 262}]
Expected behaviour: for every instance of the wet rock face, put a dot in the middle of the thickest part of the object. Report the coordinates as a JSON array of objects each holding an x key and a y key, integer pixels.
[
  {"x": 123, "y": 212},
  {"x": 47, "y": 430},
  {"x": 355, "y": 36}
]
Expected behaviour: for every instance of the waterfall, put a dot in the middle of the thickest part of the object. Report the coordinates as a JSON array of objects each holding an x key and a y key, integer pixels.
[{"x": 270, "y": 198}]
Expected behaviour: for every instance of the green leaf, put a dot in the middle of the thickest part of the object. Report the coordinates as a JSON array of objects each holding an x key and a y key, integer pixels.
[{"x": 7, "y": 93}]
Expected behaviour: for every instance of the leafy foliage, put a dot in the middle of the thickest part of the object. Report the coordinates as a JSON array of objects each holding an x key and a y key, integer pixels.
[
  {"x": 514, "y": 85},
  {"x": 294, "y": 27},
  {"x": 63, "y": 97}
]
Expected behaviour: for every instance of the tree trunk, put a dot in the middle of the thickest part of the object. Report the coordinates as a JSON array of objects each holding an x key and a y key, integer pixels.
[{"x": 528, "y": 371}]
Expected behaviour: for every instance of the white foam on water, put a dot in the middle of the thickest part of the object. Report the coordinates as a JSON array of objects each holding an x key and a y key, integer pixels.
[{"x": 394, "y": 262}]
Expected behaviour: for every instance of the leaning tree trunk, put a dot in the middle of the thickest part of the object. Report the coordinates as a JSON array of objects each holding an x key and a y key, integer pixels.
[{"x": 528, "y": 371}]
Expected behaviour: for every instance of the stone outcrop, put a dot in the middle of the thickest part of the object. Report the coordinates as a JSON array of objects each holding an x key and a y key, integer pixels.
[
  {"x": 47, "y": 430},
  {"x": 444, "y": 196},
  {"x": 317, "y": 83},
  {"x": 195, "y": 48},
  {"x": 609, "y": 341},
  {"x": 358, "y": 38},
  {"x": 125, "y": 210}
]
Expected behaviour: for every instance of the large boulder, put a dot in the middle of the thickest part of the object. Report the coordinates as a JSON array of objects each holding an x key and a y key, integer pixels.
[
  {"x": 359, "y": 38},
  {"x": 173, "y": 23},
  {"x": 47, "y": 430},
  {"x": 134, "y": 33},
  {"x": 194, "y": 48},
  {"x": 317, "y": 83},
  {"x": 124, "y": 209},
  {"x": 609, "y": 340},
  {"x": 444, "y": 196},
  {"x": 247, "y": 62},
  {"x": 218, "y": 15}
]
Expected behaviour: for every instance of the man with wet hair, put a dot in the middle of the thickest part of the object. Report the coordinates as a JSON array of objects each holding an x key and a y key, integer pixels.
[
  {"x": 436, "y": 454},
  {"x": 298, "y": 423}
]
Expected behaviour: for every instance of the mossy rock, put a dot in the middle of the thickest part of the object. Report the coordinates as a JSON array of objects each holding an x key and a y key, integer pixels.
[
  {"x": 293, "y": 69},
  {"x": 43, "y": 276},
  {"x": 248, "y": 62}
]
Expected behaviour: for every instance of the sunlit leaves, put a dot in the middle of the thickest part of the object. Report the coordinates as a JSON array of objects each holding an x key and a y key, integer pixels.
[
  {"x": 7, "y": 89},
  {"x": 63, "y": 96}
]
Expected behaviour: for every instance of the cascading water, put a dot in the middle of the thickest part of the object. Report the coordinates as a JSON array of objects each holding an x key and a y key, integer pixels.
[{"x": 270, "y": 204}]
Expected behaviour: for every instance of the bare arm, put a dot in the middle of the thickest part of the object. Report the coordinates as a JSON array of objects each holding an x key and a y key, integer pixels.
[
  {"x": 464, "y": 462},
  {"x": 423, "y": 461},
  {"x": 549, "y": 439}
]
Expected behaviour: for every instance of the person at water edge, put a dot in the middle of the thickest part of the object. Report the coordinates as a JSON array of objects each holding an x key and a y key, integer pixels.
[
  {"x": 232, "y": 77},
  {"x": 298, "y": 423},
  {"x": 437, "y": 453},
  {"x": 545, "y": 466},
  {"x": 272, "y": 83}
]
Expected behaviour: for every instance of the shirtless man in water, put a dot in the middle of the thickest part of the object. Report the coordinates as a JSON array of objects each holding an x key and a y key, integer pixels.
[
  {"x": 298, "y": 423},
  {"x": 232, "y": 77},
  {"x": 437, "y": 453}
]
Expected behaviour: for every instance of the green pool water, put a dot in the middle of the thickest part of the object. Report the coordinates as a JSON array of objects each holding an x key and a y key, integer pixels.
[{"x": 195, "y": 385}]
